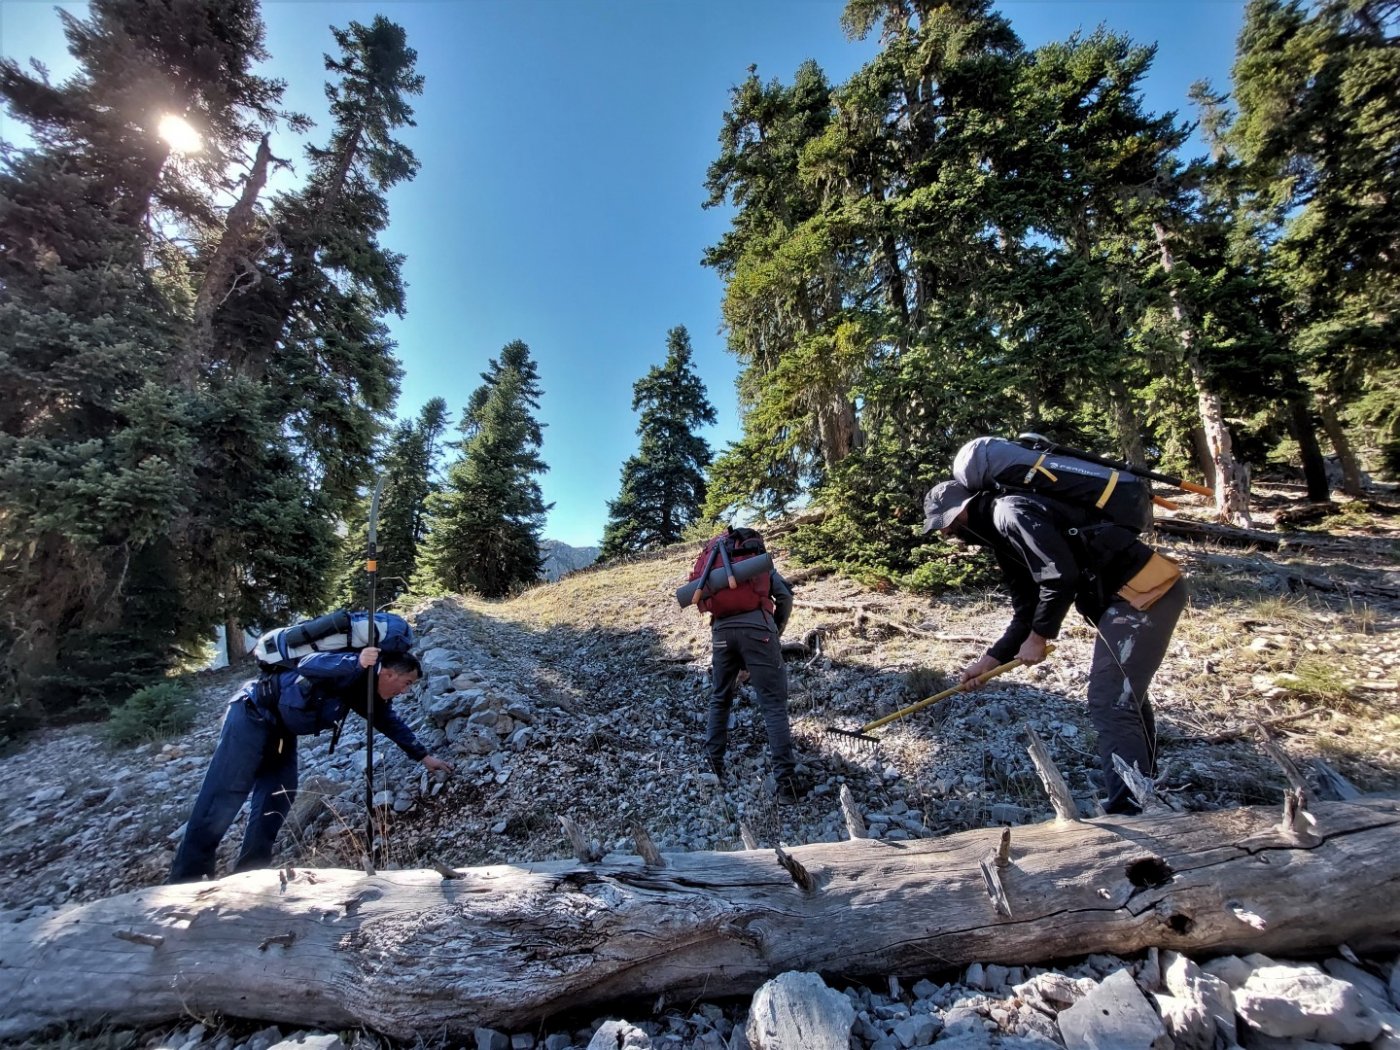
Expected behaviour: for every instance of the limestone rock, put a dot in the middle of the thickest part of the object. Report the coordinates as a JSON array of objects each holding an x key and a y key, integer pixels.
[{"x": 797, "y": 1011}]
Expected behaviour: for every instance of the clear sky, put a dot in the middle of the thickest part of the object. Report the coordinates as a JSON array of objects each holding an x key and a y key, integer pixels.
[{"x": 564, "y": 145}]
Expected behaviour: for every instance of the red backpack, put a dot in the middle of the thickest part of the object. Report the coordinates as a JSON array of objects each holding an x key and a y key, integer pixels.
[{"x": 729, "y": 547}]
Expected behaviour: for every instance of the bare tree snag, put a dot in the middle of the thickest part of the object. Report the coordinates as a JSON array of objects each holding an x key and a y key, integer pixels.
[
  {"x": 1142, "y": 789},
  {"x": 746, "y": 836},
  {"x": 509, "y": 945},
  {"x": 1231, "y": 478}
]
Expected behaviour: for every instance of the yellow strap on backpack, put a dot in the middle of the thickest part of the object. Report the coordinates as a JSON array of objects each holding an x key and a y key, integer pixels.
[
  {"x": 1152, "y": 581},
  {"x": 1038, "y": 468},
  {"x": 1107, "y": 490}
]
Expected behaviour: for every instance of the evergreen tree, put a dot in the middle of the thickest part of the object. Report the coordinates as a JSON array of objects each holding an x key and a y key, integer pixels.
[
  {"x": 663, "y": 485},
  {"x": 485, "y": 524},
  {"x": 1317, "y": 88},
  {"x": 307, "y": 334},
  {"x": 408, "y": 467},
  {"x": 98, "y": 432}
]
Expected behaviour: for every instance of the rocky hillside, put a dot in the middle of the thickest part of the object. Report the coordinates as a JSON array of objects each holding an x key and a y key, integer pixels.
[{"x": 586, "y": 698}]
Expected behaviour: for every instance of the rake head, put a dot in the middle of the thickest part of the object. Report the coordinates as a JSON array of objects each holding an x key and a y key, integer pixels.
[{"x": 854, "y": 737}]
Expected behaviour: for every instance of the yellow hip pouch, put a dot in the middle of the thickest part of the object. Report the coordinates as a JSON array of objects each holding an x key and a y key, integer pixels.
[{"x": 1152, "y": 581}]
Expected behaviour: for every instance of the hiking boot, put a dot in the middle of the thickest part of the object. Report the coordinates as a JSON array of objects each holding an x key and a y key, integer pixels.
[
  {"x": 716, "y": 766},
  {"x": 791, "y": 789}
]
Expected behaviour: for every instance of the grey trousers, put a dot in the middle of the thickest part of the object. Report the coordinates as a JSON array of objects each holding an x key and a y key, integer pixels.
[
  {"x": 1129, "y": 649},
  {"x": 737, "y": 648}
]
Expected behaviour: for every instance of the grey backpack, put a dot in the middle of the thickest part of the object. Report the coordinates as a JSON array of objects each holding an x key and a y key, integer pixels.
[{"x": 999, "y": 465}]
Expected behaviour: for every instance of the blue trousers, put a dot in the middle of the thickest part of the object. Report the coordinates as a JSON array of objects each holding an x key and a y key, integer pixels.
[{"x": 255, "y": 756}]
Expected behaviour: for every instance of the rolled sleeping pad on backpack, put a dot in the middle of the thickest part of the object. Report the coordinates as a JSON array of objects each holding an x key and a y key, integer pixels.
[
  {"x": 337, "y": 622},
  {"x": 719, "y": 577}
]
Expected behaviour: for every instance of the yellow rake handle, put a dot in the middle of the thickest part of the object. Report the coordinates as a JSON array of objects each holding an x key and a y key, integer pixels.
[{"x": 961, "y": 687}]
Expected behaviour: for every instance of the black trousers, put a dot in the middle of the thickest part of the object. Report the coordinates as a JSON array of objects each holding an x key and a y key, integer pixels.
[
  {"x": 1129, "y": 649},
  {"x": 757, "y": 650}
]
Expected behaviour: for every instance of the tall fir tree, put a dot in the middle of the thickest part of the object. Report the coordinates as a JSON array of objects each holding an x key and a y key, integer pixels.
[
  {"x": 663, "y": 485},
  {"x": 408, "y": 467},
  {"x": 485, "y": 525},
  {"x": 99, "y": 430},
  {"x": 1317, "y": 88},
  {"x": 303, "y": 350}
]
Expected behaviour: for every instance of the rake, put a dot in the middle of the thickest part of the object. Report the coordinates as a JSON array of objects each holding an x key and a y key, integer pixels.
[{"x": 862, "y": 735}]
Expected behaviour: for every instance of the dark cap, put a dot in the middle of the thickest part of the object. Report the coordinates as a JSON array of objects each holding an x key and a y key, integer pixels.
[{"x": 943, "y": 503}]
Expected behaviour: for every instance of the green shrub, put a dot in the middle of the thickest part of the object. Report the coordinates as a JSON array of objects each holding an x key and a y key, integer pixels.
[{"x": 151, "y": 713}]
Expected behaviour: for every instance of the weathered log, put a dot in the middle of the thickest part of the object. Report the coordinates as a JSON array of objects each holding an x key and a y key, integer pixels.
[
  {"x": 508, "y": 945},
  {"x": 1227, "y": 534}
]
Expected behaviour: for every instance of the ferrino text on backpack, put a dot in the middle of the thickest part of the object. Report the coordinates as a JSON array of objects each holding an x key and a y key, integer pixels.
[
  {"x": 340, "y": 631},
  {"x": 750, "y": 589},
  {"x": 995, "y": 464}
]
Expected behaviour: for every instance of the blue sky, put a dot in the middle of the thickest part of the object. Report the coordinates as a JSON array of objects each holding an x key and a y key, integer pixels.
[{"x": 564, "y": 145}]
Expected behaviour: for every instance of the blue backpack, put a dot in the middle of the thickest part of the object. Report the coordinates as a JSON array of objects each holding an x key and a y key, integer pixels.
[{"x": 340, "y": 631}]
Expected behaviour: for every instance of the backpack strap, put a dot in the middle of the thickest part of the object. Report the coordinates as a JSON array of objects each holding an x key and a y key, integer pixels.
[
  {"x": 1038, "y": 467},
  {"x": 1108, "y": 489},
  {"x": 728, "y": 566},
  {"x": 704, "y": 576}
]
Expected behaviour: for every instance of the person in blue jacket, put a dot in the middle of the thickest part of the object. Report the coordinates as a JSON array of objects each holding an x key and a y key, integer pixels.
[{"x": 257, "y": 750}]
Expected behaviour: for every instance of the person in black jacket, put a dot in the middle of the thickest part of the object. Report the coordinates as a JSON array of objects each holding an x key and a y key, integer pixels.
[
  {"x": 257, "y": 749},
  {"x": 1053, "y": 555}
]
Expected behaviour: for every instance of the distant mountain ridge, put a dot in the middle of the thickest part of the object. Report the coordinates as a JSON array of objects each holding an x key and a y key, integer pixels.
[{"x": 561, "y": 559}]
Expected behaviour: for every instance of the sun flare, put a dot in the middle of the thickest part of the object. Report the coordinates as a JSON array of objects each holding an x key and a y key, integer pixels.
[{"x": 178, "y": 133}]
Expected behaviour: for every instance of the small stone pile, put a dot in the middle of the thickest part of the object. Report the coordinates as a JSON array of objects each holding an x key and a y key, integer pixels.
[{"x": 1160, "y": 1002}]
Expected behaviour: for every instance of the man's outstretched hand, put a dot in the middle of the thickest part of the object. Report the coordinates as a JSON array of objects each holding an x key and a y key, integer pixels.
[{"x": 437, "y": 765}]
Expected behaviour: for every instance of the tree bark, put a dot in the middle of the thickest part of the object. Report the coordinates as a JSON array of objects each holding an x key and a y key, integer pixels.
[
  {"x": 216, "y": 284},
  {"x": 1201, "y": 444},
  {"x": 1300, "y": 425},
  {"x": 1341, "y": 444},
  {"x": 407, "y": 952},
  {"x": 1231, "y": 478},
  {"x": 1126, "y": 422}
]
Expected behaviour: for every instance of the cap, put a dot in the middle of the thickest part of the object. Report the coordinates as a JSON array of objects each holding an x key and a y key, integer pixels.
[{"x": 943, "y": 503}]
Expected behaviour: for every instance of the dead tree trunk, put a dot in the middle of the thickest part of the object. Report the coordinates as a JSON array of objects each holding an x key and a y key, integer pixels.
[
  {"x": 405, "y": 952},
  {"x": 1231, "y": 478}
]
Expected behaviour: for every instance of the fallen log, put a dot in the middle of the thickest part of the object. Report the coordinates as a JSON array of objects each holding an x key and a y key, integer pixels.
[
  {"x": 1230, "y": 535},
  {"x": 407, "y": 952}
]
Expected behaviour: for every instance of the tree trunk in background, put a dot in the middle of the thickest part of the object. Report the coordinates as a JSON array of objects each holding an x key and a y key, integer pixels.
[
  {"x": 409, "y": 953},
  {"x": 837, "y": 426},
  {"x": 1232, "y": 480},
  {"x": 1341, "y": 444},
  {"x": 1126, "y": 422},
  {"x": 1201, "y": 444},
  {"x": 1300, "y": 425},
  {"x": 216, "y": 284},
  {"x": 235, "y": 645}
]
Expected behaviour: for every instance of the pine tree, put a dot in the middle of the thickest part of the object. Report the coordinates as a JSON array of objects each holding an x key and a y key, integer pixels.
[
  {"x": 1317, "y": 88},
  {"x": 98, "y": 431},
  {"x": 408, "y": 467},
  {"x": 663, "y": 485},
  {"x": 307, "y": 333},
  {"x": 485, "y": 524}
]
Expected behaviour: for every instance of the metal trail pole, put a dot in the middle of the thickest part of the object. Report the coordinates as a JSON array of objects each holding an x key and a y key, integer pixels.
[{"x": 372, "y": 571}]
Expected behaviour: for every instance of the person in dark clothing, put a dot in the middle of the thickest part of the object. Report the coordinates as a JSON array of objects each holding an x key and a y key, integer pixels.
[
  {"x": 748, "y": 641},
  {"x": 257, "y": 750},
  {"x": 1053, "y": 555}
]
